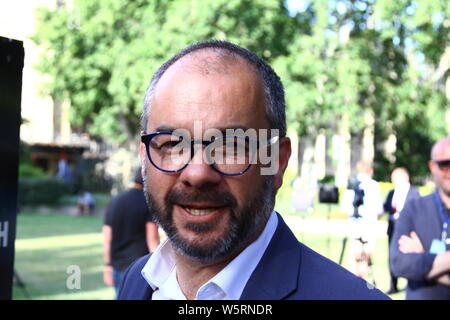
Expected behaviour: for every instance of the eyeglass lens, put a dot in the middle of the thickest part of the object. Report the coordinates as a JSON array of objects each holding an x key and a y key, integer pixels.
[
  {"x": 228, "y": 154},
  {"x": 443, "y": 165}
]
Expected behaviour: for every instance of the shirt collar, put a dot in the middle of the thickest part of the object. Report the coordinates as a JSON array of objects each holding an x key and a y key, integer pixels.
[
  {"x": 160, "y": 268},
  {"x": 233, "y": 278},
  {"x": 363, "y": 177}
]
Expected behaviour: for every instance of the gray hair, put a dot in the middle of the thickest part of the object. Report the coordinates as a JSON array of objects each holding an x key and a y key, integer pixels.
[{"x": 273, "y": 88}]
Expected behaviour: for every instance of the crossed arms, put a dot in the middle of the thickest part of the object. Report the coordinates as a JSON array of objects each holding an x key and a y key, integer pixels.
[{"x": 411, "y": 244}]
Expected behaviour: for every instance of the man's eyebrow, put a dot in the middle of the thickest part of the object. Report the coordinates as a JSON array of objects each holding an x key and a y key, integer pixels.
[
  {"x": 165, "y": 128},
  {"x": 237, "y": 127},
  {"x": 221, "y": 129}
]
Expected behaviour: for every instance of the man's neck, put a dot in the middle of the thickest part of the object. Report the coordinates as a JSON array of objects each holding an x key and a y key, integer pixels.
[
  {"x": 445, "y": 198},
  {"x": 192, "y": 274}
]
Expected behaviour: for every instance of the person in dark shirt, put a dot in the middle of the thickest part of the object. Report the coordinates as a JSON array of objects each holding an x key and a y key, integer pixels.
[
  {"x": 129, "y": 232},
  {"x": 419, "y": 249}
]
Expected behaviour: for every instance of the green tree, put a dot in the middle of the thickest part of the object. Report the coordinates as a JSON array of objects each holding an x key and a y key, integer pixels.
[
  {"x": 338, "y": 59},
  {"x": 366, "y": 55},
  {"x": 420, "y": 31},
  {"x": 104, "y": 61}
]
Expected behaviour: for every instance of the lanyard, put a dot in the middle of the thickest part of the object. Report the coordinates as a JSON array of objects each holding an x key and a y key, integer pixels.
[{"x": 444, "y": 218}]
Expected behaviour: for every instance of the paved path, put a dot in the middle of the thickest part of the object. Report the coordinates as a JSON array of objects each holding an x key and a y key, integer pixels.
[{"x": 335, "y": 227}]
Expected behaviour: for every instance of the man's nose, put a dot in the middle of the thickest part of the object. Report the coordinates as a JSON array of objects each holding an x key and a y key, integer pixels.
[{"x": 198, "y": 172}]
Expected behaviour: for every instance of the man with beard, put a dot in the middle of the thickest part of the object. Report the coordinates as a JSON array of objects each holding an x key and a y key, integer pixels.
[
  {"x": 419, "y": 248},
  {"x": 213, "y": 201}
]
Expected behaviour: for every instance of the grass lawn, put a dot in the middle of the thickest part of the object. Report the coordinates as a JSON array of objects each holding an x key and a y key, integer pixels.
[
  {"x": 47, "y": 245},
  {"x": 331, "y": 248}
]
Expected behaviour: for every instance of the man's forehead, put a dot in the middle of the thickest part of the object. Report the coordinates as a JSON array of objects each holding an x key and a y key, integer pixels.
[
  {"x": 441, "y": 149},
  {"x": 212, "y": 61},
  {"x": 223, "y": 129},
  {"x": 400, "y": 174},
  {"x": 224, "y": 92}
]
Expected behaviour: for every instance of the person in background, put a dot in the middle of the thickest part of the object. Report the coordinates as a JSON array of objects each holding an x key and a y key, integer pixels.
[
  {"x": 419, "y": 248},
  {"x": 365, "y": 208},
  {"x": 85, "y": 204},
  {"x": 129, "y": 232},
  {"x": 403, "y": 191},
  {"x": 64, "y": 172}
]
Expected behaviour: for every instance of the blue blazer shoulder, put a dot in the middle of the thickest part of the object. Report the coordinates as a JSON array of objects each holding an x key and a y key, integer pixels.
[{"x": 287, "y": 270}]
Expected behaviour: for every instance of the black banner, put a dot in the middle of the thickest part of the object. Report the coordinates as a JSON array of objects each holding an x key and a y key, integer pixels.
[{"x": 11, "y": 65}]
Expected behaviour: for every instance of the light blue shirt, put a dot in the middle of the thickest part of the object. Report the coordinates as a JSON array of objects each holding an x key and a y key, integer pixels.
[{"x": 228, "y": 284}]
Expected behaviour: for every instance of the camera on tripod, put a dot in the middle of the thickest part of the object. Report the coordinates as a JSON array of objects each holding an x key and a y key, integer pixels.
[
  {"x": 328, "y": 192},
  {"x": 358, "y": 200}
]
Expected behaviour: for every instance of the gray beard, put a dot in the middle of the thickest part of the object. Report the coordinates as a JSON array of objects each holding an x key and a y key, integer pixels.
[
  {"x": 445, "y": 191},
  {"x": 440, "y": 186},
  {"x": 246, "y": 223}
]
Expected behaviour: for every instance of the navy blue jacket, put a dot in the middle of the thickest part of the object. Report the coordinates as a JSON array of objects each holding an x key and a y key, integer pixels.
[
  {"x": 287, "y": 270},
  {"x": 422, "y": 216}
]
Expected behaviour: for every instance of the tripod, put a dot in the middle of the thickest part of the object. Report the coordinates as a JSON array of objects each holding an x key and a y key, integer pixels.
[
  {"x": 364, "y": 255},
  {"x": 356, "y": 215},
  {"x": 18, "y": 281}
]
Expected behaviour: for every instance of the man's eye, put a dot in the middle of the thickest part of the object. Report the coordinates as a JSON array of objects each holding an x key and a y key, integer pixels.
[
  {"x": 158, "y": 145},
  {"x": 167, "y": 146}
]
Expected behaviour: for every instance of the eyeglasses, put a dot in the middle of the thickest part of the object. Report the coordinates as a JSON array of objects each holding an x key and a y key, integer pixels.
[
  {"x": 229, "y": 155},
  {"x": 444, "y": 165}
]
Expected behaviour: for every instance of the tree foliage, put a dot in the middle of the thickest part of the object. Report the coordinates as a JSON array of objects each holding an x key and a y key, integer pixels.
[
  {"x": 371, "y": 55},
  {"x": 104, "y": 64},
  {"x": 336, "y": 58}
]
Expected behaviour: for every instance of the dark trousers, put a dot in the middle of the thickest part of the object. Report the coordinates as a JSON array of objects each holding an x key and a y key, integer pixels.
[{"x": 394, "y": 279}]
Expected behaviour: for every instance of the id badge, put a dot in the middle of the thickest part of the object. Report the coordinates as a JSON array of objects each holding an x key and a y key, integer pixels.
[{"x": 437, "y": 247}]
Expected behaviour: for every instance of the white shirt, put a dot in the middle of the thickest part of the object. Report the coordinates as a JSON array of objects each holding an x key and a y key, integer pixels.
[
  {"x": 228, "y": 284},
  {"x": 369, "y": 211},
  {"x": 373, "y": 202},
  {"x": 399, "y": 196}
]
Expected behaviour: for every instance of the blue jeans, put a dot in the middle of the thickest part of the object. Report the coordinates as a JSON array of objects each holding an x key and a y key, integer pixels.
[{"x": 117, "y": 278}]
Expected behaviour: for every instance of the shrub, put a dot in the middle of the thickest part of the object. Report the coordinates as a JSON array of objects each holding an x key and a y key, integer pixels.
[
  {"x": 28, "y": 170},
  {"x": 90, "y": 176},
  {"x": 41, "y": 190}
]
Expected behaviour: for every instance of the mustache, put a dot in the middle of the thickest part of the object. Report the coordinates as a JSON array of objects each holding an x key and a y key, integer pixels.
[{"x": 219, "y": 198}]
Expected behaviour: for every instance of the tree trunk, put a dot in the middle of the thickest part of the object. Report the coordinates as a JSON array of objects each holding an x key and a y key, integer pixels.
[
  {"x": 320, "y": 154},
  {"x": 356, "y": 151},
  {"x": 368, "y": 142},
  {"x": 343, "y": 170},
  {"x": 301, "y": 147}
]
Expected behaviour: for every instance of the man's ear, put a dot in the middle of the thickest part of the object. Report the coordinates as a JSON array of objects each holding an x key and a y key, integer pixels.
[
  {"x": 142, "y": 154},
  {"x": 283, "y": 160},
  {"x": 143, "y": 157},
  {"x": 431, "y": 166}
]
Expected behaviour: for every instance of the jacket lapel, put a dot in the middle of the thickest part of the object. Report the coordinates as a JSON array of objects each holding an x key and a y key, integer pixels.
[
  {"x": 276, "y": 275},
  {"x": 146, "y": 293}
]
